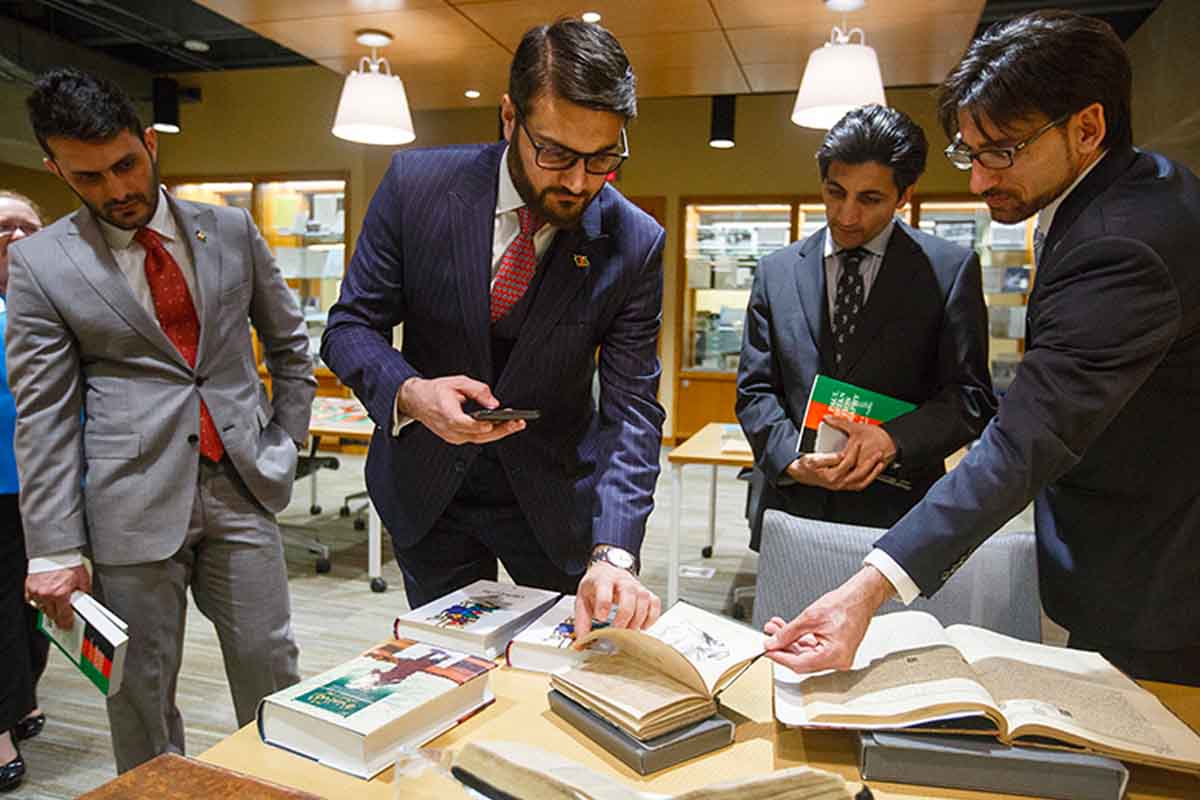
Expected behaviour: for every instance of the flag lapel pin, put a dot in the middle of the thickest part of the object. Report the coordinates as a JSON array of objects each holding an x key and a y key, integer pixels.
[
  {"x": 582, "y": 261},
  {"x": 202, "y": 236}
]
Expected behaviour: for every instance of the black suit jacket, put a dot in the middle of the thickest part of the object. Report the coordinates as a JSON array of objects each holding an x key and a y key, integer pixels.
[
  {"x": 1100, "y": 422},
  {"x": 923, "y": 339}
]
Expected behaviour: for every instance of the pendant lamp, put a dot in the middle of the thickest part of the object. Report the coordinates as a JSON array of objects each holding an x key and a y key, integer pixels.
[
  {"x": 840, "y": 76},
  {"x": 374, "y": 107}
]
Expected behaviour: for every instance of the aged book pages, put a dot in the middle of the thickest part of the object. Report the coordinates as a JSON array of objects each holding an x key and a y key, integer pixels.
[
  {"x": 530, "y": 773},
  {"x": 912, "y": 673}
]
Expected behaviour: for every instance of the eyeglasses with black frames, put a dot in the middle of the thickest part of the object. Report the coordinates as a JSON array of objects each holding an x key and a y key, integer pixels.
[
  {"x": 556, "y": 157},
  {"x": 962, "y": 156}
]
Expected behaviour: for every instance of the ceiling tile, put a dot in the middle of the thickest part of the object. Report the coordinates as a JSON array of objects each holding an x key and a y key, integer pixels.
[
  {"x": 247, "y": 12},
  {"x": 764, "y": 13},
  {"x": 438, "y": 29},
  {"x": 508, "y": 20}
]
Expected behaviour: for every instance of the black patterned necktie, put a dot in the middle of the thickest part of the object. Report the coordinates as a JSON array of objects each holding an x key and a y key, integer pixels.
[{"x": 848, "y": 300}]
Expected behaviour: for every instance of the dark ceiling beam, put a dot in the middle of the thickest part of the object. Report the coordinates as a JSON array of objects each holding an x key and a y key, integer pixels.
[
  {"x": 112, "y": 40},
  {"x": 83, "y": 13},
  {"x": 1007, "y": 9}
]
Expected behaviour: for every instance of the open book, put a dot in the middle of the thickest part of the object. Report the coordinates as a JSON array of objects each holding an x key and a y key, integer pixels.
[
  {"x": 515, "y": 769},
  {"x": 666, "y": 676},
  {"x": 910, "y": 672}
]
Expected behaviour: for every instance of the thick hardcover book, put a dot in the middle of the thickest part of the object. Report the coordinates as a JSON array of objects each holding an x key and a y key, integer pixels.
[
  {"x": 665, "y": 677},
  {"x": 355, "y": 717},
  {"x": 547, "y": 644},
  {"x": 911, "y": 673},
  {"x": 967, "y": 762},
  {"x": 480, "y": 619},
  {"x": 830, "y": 397},
  {"x": 651, "y": 755},
  {"x": 174, "y": 777},
  {"x": 95, "y": 644}
]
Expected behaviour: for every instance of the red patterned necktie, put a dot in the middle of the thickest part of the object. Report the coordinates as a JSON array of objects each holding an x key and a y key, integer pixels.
[
  {"x": 177, "y": 318},
  {"x": 517, "y": 266}
]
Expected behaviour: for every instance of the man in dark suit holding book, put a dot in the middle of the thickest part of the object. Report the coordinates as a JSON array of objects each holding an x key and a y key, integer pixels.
[
  {"x": 870, "y": 301},
  {"x": 1099, "y": 425}
]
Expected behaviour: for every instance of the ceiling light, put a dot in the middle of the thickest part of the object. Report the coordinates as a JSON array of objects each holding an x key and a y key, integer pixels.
[
  {"x": 720, "y": 133},
  {"x": 843, "y": 6},
  {"x": 840, "y": 76},
  {"x": 471, "y": 94},
  {"x": 196, "y": 45},
  {"x": 590, "y": 16},
  {"x": 373, "y": 108}
]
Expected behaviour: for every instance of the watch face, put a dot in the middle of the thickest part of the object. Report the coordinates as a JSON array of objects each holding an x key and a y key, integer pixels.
[{"x": 619, "y": 558}]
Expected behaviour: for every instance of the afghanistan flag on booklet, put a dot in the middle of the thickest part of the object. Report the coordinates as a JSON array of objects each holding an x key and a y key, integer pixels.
[
  {"x": 95, "y": 644},
  {"x": 836, "y": 398}
]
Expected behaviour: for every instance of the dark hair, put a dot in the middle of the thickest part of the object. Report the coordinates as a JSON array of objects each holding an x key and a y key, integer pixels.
[
  {"x": 880, "y": 134},
  {"x": 578, "y": 61},
  {"x": 1049, "y": 62},
  {"x": 74, "y": 104},
  {"x": 8, "y": 194}
]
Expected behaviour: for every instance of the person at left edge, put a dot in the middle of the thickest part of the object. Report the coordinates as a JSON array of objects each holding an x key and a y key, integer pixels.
[
  {"x": 143, "y": 431},
  {"x": 572, "y": 490}
]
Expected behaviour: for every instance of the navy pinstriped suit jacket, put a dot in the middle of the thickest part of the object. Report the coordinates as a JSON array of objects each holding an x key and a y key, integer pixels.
[{"x": 582, "y": 476}]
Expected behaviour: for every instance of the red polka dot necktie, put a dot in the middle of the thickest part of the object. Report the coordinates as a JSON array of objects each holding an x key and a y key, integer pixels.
[
  {"x": 177, "y": 318},
  {"x": 517, "y": 266}
]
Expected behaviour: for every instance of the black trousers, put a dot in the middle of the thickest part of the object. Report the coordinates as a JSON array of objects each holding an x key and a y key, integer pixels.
[
  {"x": 483, "y": 523},
  {"x": 25, "y": 647},
  {"x": 1168, "y": 666}
]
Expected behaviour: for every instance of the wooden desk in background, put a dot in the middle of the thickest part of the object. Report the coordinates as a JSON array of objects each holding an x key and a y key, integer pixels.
[
  {"x": 521, "y": 713},
  {"x": 346, "y": 418},
  {"x": 703, "y": 447}
]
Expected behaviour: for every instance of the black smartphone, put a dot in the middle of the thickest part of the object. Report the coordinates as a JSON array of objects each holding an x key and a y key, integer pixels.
[{"x": 504, "y": 414}]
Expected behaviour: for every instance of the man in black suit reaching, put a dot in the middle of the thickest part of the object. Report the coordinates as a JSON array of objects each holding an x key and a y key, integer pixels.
[
  {"x": 871, "y": 301},
  {"x": 1100, "y": 423}
]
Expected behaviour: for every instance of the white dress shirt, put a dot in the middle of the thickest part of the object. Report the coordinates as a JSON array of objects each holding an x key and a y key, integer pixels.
[
  {"x": 504, "y": 231},
  {"x": 131, "y": 260},
  {"x": 906, "y": 588}
]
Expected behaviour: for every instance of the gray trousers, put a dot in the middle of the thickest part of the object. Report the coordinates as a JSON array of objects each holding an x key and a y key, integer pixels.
[{"x": 233, "y": 561}]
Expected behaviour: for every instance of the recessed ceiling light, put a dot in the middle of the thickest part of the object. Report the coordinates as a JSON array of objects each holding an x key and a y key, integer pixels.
[
  {"x": 590, "y": 16},
  {"x": 195, "y": 45},
  {"x": 369, "y": 37},
  {"x": 471, "y": 94}
]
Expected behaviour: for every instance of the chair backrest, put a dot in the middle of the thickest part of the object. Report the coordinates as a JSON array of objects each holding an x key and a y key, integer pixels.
[{"x": 802, "y": 559}]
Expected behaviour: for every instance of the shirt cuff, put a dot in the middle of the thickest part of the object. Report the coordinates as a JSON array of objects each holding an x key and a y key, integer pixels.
[
  {"x": 64, "y": 559},
  {"x": 905, "y": 588},
  {"x": 399, "y": 420}
]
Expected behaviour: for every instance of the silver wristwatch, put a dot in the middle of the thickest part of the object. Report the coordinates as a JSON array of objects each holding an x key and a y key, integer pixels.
[{"x": 621, "y": 559}]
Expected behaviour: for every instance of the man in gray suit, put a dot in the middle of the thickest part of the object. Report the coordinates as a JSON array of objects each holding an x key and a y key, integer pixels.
[{"x": 144, "y": 435}]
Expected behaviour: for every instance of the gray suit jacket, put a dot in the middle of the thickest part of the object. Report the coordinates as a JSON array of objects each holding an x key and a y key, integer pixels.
[{"x": 108, "y": 411}]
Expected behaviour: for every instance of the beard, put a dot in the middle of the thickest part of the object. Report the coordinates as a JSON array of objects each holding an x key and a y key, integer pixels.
[
  {"x": 543, "y": 203},
  {"x": 146, "y": 199}
]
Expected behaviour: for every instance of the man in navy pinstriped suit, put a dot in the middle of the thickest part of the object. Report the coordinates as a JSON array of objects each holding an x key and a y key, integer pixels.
[{"x": 509, "y": 265}]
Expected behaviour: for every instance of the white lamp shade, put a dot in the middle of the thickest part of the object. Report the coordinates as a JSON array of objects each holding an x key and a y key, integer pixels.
[
  {"x": 838, "y": 78},
  {"x": 374, "y": 110}
]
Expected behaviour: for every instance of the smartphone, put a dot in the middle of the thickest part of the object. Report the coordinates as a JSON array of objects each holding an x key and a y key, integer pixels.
[{"x": 504, "y": 414}]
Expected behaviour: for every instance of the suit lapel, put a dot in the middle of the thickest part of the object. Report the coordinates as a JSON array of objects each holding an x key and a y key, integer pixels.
[
  {"x": 472, "y": 224},
  {"x": 572, "y": 256},
  {"x": 191, "y": 221},
  {"x": 810, "y": 286},
  {"x": 891, "y": 282},
  {"x": 87, "y": 249}
]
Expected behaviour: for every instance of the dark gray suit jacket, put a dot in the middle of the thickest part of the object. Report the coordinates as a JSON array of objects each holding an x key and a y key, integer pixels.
[
  {"x": 923, "y": 339},
  {"x": 1101, "y": 421}
]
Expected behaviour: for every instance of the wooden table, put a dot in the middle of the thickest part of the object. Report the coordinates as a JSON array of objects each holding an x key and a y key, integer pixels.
[
  {"x": 702, "y": 447},
  {"x": 346, "y": 418},
  {"x": 521, "y": 713}
]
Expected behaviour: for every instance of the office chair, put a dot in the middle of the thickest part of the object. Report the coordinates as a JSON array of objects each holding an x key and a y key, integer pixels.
[
  {"x": 802, "y": 559},
  {"x": 307, "y": 466},
  {"x": 359, "y": 511}
]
